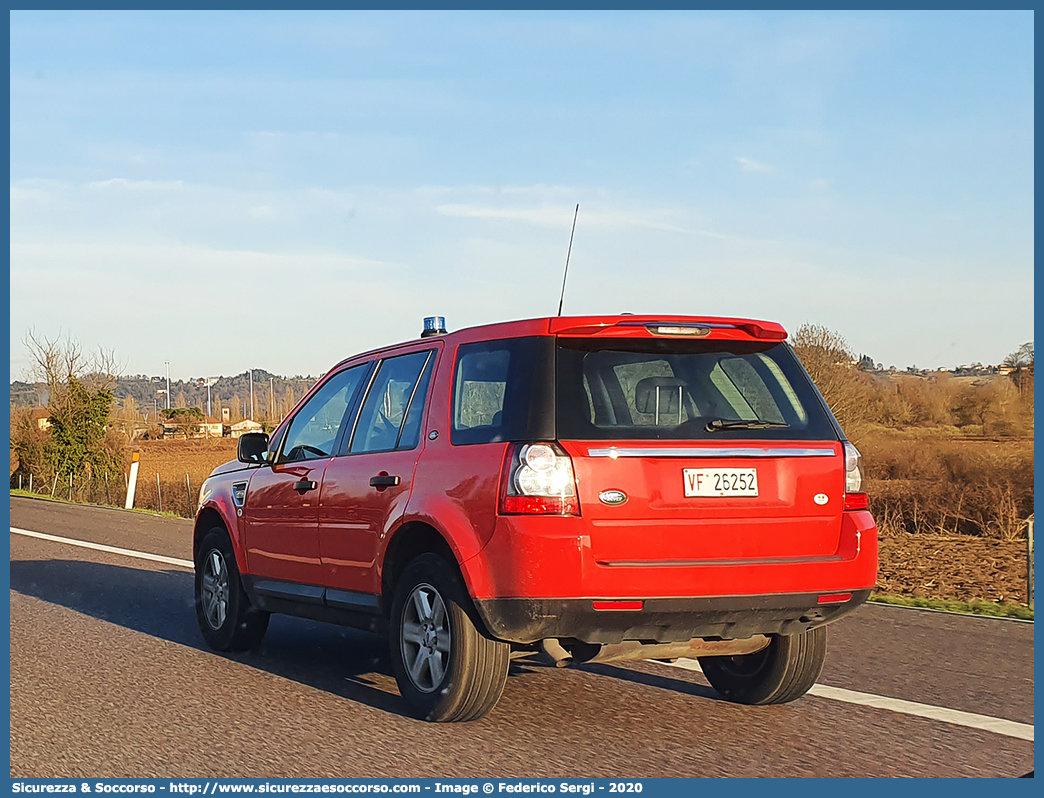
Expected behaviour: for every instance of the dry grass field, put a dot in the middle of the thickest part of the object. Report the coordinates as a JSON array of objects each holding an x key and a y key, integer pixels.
[
  {"x": 174, "y": 460},
  {"x": 922, "y": 487}
]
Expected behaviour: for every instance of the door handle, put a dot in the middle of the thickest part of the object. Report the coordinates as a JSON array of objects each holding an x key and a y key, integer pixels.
[
  {"x": 305, "y": 485},
  {"x": 383, "y": 481}
]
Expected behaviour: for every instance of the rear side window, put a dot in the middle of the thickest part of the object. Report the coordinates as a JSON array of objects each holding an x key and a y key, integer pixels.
[
  {"x": 504, "y": 391},
  {"x": 389, "y": 403},
  {"x": 684, "y": 390}
]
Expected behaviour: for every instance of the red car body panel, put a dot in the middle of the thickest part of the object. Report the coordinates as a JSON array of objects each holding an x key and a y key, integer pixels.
[
  {"x": 554, "y": 557},
  {"x": 355, "y": 519},
  {"x": 281, "y": 525}
]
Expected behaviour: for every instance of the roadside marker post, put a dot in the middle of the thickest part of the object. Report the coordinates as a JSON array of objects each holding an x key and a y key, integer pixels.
[
  {"x": 132, "y": 482},
  {"x": 1029, "y": 562},
  {"x": 159, "y": 493},
  {"x": 30, "y": 483}
]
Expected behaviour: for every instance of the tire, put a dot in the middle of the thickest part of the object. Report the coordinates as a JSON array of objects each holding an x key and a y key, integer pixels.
[
  {"x": 226, "y": 618},
  {"x": 783, "y": 671},
  {"x": 446, "y": 668}
]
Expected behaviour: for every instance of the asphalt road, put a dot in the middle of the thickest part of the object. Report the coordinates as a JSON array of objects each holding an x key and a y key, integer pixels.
[{"x": 110, "y": 677}]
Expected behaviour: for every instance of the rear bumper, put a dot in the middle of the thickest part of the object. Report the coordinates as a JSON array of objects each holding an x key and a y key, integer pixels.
[
  {"x": 552, "y": 557},
  {"x": 662, "y": 620}
]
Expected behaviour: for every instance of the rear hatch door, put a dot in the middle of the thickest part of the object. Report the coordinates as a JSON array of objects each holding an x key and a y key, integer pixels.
[{"x": 692, "y": 451}]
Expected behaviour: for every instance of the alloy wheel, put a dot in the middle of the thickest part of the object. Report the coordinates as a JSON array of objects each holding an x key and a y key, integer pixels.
[
  {"x": 425, "y": 638},
  {"x": 215, "y": 589}
]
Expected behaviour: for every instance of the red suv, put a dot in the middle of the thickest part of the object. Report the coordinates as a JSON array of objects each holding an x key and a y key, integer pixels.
[{"x": 593, "y": 489}]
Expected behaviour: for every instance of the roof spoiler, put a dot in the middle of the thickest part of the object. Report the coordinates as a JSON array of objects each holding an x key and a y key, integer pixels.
[{"x": 670, "y": 327}]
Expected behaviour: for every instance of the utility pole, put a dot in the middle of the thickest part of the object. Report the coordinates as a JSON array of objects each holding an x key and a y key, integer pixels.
[
  {"x": 167, "y": 362},
  {"x": 271, "y": 395},
  {"x": 251, "y": 394},
  {"x": 210, "y": 381}
]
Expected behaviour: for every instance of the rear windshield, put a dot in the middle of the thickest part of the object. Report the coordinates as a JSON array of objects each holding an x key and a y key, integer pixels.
[{"x": 684, "y": 390}]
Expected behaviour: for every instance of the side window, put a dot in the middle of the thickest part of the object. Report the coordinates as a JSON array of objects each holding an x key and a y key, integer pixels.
[
  {"x": 411, "y": 429},
  {"x": 383, "y": 412},
  {"x": 503, "y": 390},
  {"x": 479, "y": 392},
  {"x": 275, "y": 440},
  {"x": 313, "y": 432}
]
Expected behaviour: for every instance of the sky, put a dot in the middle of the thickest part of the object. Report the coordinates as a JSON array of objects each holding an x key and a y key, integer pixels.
[{"x": 233, "y": 190}]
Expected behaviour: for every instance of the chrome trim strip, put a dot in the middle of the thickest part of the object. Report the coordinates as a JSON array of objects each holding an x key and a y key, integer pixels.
[
  {"x": 745, "y": 451},
  {"x": 693, "y": 563}
]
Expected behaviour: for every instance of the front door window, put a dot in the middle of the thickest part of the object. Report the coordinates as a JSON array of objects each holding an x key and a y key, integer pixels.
[{"x": 313, "y": 432}]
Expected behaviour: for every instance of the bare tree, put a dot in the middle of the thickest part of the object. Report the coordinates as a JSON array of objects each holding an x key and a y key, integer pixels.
[
  {"x": 829, "y": 361},
  {"x": 56, "y": 360},
  {"x": 80, "y": 401},
  {"x": 289, "y": 401},
  {"x": 1021, "y": 358},
  {"x": 1021, "y": 363}
]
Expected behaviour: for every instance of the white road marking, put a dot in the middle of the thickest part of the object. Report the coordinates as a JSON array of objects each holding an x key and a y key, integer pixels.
[
  {"x": 1009, "y": 728},
  {"x": 971, "y": 720},
  {"x": 85, "y": 544}
]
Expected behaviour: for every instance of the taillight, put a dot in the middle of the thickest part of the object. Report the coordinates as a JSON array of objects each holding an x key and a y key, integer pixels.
[
  {"x": 855, "y": 499},
  {"x": 538, "y": 478}
]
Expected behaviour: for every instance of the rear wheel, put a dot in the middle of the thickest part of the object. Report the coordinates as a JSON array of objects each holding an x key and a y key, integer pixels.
[
  {"x": 446, "y": 668},
  {"x": 227, "y": 619},
  {"x": 781, "y": 672}
]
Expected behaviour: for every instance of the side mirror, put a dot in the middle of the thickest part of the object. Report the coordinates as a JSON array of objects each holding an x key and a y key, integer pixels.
[{"x": 252, "y": 447}]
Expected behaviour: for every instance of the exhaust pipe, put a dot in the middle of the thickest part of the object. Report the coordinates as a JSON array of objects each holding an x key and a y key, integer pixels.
[
  {"x": 554, "y": 649},
  {"x": 634, "y": 651}
]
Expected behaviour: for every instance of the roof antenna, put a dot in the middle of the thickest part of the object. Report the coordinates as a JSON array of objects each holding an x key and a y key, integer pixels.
[{"x": 568, "y": 253}]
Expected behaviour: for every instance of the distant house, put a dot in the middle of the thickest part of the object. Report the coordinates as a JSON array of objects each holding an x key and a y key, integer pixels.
[
  {"x": 206, "y": 428},
  {"x": 41, "y": 417},
  {"x": 211, "y": 427},
  {"x": 246, "y": 425}
]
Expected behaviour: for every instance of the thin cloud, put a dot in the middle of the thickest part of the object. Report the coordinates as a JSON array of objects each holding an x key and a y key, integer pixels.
[
  {"x": 750, "y": 165},
  {"x": 137, "y": 185},
  {"x": 559, "y": 217}
]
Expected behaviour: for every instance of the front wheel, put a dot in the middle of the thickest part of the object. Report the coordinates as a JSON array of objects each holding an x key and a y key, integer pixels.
[
  {"x": 226, "y": 617},
  {"x": 781, "y": 672},
  {"x": 446, "y": 668}
]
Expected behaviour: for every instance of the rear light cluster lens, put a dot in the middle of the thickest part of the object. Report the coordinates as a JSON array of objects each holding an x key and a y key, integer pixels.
[
  {"x": 855, "y": 499},
  {"x": 835, "y": 598},
  {"x": 853, "y": 469},
  {"x": 539, "y": 479}
]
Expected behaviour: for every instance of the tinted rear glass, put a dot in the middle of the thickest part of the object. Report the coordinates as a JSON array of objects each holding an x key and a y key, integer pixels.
[
  {"x": 504, "y": 391},
  {"x": 672, "y": 390}
]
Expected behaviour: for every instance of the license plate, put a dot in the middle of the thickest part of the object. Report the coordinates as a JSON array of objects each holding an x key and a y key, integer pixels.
[{"x": 720, "y": 481}]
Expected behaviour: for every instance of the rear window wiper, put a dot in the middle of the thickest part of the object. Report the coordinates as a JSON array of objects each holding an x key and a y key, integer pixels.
[{"x": 721, "y": 423}]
